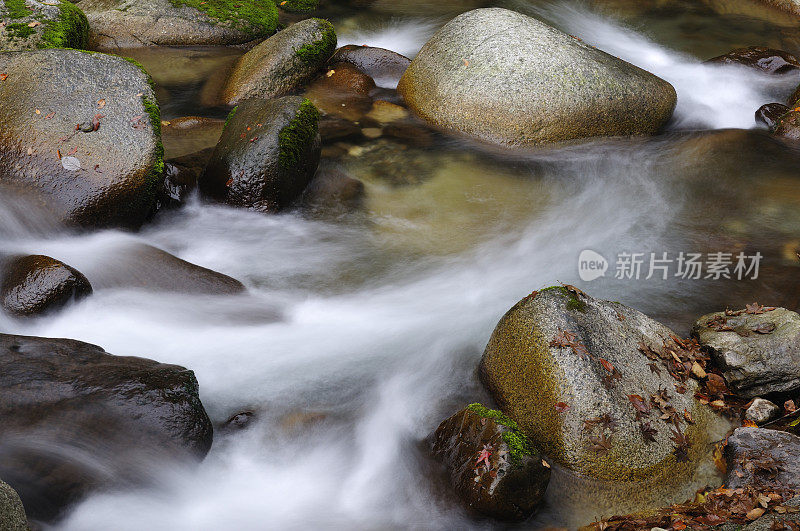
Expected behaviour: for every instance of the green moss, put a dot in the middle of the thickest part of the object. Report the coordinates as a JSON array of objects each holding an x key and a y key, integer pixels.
[
  {"x": 320, "y": 49},
  {"x": 573, "y": 302},
  {"x": 294, "y": 138},
  {"x": 252, "y": 17},
  {"x": 230, "y": 116},
  {"x": 69, "y": 30},
  {"x": 17, "y": 9},
  {"x": 19, "y": 31},
  {"x": 518, "y": 444},
  {"x": 298, "y": 6}
]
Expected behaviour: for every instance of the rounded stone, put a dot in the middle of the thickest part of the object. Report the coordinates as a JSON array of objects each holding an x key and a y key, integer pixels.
[
  {"x": 35, "y": 284},
  {"x": 37, "y": 25},
  {"x": 506, "y": 78}
]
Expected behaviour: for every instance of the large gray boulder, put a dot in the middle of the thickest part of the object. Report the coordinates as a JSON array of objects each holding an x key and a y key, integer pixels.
[
  {"x": 763, "y": 459},
  {"x": 281, "y": 64},
  {"x": 757, "y": 348},
  {"x": 595, "y": 387},
  {"x": 76, "y": 418},
  {"x": 12, "y": 513},
  {"x": 507, "y": 78},
  {"x": 267, "y": 155},
  {"x": 83, "y": 131},
  {"x": 34, "y": 25},
  {"x": 117, "y": 24}
]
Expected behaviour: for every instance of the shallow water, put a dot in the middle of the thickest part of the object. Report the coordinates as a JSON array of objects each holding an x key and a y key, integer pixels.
[{"x": 374, "y": 325}]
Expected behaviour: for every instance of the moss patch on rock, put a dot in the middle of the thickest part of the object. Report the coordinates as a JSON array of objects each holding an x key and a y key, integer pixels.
[
  {"x": 518, "y": 444},
  {"x": 253, "y": 17},
  {"x": 326, "y": 45},
  {"x": 69, "y": 30},
  {"x": 17, "y": 9},
  {"x": 573, "y": 302},
  {"x": 298, "y": 134},
  {"x": 298, "y": 6},
  {"x": 230, "y": 116}
]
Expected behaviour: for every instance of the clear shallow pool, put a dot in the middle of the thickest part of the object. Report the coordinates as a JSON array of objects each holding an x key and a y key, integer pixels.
[{"x": 358, "y": 336}]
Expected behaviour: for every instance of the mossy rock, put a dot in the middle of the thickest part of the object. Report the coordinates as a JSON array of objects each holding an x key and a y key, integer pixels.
[
  {"x": 509, "y": 79},
  {"x": 266, "y": 156},
  {"x": 117, "y": 24},
  {"x": 298, "y": 6},
  {"x": 281, "y": 64},
  {"x": 107, "y": 171},
  {"x": 35, "y": 25},
  {"x": 35, "y": 284},
  {"x": 551, "y": 391},
  {"x": 491, "y": 464}
]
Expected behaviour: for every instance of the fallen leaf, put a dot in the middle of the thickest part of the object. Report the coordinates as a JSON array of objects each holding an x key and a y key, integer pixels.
[
  {"x": 30, "y": 151},
  {"x": 755, "y": 513},
  {"x": 37, "y": 111},
  {"x": 71, "y": 163},
  {"x": 3, "y": 77},
  {"x": 789, "y": 406},
  {"x": 34, "y": 24},
  {"x": 49, "y": 116},
  {"x": 329, "y": 73},
  {"x": 562, "y": 407},
  {"x": 698, "y": 371},
  {"x": 101, "y": 103}
]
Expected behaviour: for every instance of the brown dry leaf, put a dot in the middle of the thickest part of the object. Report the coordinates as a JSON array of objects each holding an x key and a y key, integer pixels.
[
  {"x": 717, "y": 403},
  {"x": 789, "y": 406},
  {"x": 34, "y": 24},
  {"x": 3, "y": 77},
  {"x": 37, "y": 111},
  {"x": 329, "y": 73},
  {"x": 101, "y": 103},
  {"x": 755, "y": 513},
  {"x": 698, "y": 371}
]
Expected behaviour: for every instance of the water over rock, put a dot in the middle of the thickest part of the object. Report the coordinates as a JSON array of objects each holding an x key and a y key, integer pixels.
[
  {"x": 764, "y": 59},
  {"x": 491, "y": 465},
  {"x": 281, "y": 64},
  {"x": 76, "y": 418},
  {"x": 507, "y": 78},
  {"x": 117, "y": 24},
  {"x": 384, "y": 66},
  {"x": 268, "y": 153},
  {"x": 758, "y": 349},
  {"x": 591, "y": 384},
  {"x": 35, "y": 284},
  {"x": 770, "y": 114},
  {"x": 36, "y": 25},
  {"x": 83, "y": 131}
]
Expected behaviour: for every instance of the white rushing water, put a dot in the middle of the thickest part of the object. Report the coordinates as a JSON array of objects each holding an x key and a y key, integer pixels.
[{"x": 385, "y": 357}]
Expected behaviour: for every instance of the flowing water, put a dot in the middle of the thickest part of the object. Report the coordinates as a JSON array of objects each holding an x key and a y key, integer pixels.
[{"x": 358, "y": 336}]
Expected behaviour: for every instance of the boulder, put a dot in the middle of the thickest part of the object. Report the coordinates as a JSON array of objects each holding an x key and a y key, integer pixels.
[
  {"x": 758, "y": 349},
  {"x": 767, "y": 60},
  {"x": 140, "y": 266},
  {"x": 298, "y": 6},
  {"x": 762, "y": 458},
  {"x": 35, "y": 284},
  {"x": 384, "y": 66},
  {"x": 83, "y": 131},
  {"x": 333, "y": 192},
  {"x": 769, "y": 114},
  {"x": 36, "y": 25},
  {"x": 509, "y": 79},
  {"x": 761, "y": 411},
  {"x": 342, "y": 92},
  {"x": 12, "y": 513},
  {"x": 281, "y": 64},
  {"x": 268, "y": 153},
  {"x": 491, "y": 465},
  {"x": 595, "y": 386},
  {"x": 76, "y": 418},
  {"x": 118, "y": 24}
]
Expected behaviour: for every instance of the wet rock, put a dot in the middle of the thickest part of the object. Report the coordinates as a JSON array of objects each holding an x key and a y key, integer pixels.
[
  {"x": 76, "y": 418},
  {"x": 343, "y": 92},
  {"x": 36, "y": 284},
  {"x": 788, "y": 126},
  {"x": 239, "y": 421},
  {"x": 761, "y": 411},
  {"x": 298, "y": 6},
  {"x": 385, "y": 112},
  {"x": 106, "y": 177},
  {"x": 37, "y": 25},
  {"x": 140, "y": 266},
  {"x": 333, "y": 192},
  {"x": 179, "y": 182},
  {"x": 281, "y": 64},
  {"x": 384, "y": 66},
  {"x": 333, "y": 128},
  {"x": 569, "y": 369},
  {"x": 763, "y": 458},
  {"x": 767, "y": 60},
  {"x": 119, "y": 24},
  {"x": 491, "y": 465},
  {"x": 770, "y": 113},
  {"x": 266, "y": 156},
  {"x": 509, "y": 79},
  {"x": 758, "y": 353},
  {"x": 12, "y": 513},
  {"x": 410, "y": 133}
]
